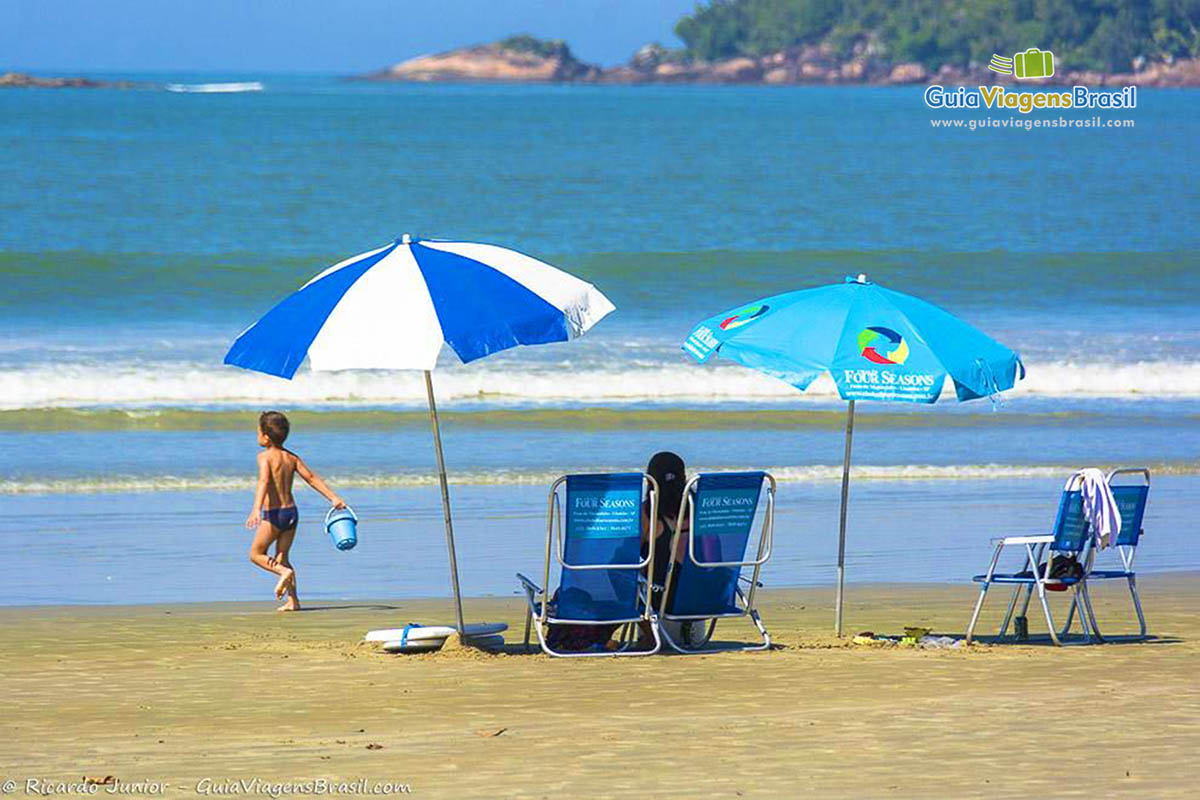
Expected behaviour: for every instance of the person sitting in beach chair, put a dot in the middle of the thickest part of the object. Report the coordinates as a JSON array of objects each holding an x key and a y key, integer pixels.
[
  {"x": 595, "y": 533},
  {"x": 709, "y": 548},
  {"x": 1053, "y": 562},
  {"x": 1131, "y": 503},
  {"x": 670, "y": 475}
]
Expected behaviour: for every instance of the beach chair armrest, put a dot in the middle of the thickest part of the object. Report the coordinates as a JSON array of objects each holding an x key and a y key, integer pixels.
[
  {"x": 529, "y": 585},
  {"x": 1007, "y": 540}
]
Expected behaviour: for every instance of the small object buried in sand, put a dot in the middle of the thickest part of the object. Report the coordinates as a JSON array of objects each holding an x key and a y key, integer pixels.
[
  {"x": 374, "y": 746},
  {"x": 493, "y": 643},
  {"x": 913, "y": 635},
  {"x": 939, "y": 642},
  {"x": 107, "y": 780},
  {"x": 869, "y": 637},
  {"x": 491, "y": 732}
]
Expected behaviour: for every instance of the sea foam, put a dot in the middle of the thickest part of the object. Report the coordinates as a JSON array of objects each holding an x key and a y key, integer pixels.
[
  {"x": 190, "y": 385},
  {"x": 814, "y": 473}
]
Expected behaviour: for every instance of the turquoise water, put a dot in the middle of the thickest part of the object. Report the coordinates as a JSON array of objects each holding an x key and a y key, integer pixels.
[{"x": 140, "y": 231}]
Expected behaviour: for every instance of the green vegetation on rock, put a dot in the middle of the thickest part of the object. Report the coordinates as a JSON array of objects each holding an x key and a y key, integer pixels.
[
  {"x": 1107, "y": 35},
  {"x": 547, "y": 48}
]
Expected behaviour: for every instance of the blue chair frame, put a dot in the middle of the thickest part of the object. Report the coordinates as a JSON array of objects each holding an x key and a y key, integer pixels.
[
  {"x": 600, "y": 581},
  {"x": 1131, "y": 501},
  {"x": 707, "y": 589},
  {"x": 1071, "y": 537}
]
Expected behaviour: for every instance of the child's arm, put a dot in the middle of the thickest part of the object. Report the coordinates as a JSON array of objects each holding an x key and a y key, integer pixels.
[
  {"x": 314, "y": 480},
  {"x": 260, "y": 492}
]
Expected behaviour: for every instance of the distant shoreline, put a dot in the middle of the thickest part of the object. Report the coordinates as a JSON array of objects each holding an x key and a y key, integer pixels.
[
  {"x": 520, "y": 60},
  {"x": 28, "y": 81}
]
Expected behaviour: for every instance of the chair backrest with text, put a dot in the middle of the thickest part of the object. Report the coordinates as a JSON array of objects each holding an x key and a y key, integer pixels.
[
  {"x": 722, "y": 509},
  {"x": 1071, "y": 532},
  {"x": 600, "y": 547},
  {"x": 1131, "y": 502}
]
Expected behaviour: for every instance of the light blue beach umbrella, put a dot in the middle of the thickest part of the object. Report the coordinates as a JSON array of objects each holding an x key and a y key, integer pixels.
[
  {"x": 876, "y": 343},
  {"x": 398, "y": 306}
]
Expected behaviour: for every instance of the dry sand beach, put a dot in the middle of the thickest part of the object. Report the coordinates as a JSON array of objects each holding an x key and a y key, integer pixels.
[{"x": 219, "y": 691}]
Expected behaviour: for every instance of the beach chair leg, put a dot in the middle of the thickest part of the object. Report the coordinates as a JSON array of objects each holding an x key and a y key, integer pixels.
[
  {"x": 979, "y": 607},
  {"x": 1070, "y": 616},
  {"x": 1032, "y": 558},
  {"x": 1137, "y": 606},
  {"x": 655, "y": 631},
  {"x": 1041, "y": 589},
  {"x": 1039, "y": 578},
  {"x": 627, "y": 637},
  {"x": 983, "y": 589},
  {"x": 1028, "y": 597},
  {"x": 541, "y": 637},
  {"x": 528, "y": 625},
  {"x": 1008, "y": 614},
  {"x": 1077, "y": 602},
  {"x": 1091, "y": 614},
  {"x": 766, "y": 637}
]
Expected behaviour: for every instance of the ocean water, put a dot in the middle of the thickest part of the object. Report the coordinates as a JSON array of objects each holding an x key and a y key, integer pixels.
[{"x": 141, "y": 231}]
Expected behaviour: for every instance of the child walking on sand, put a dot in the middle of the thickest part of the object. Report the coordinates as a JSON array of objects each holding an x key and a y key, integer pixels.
[{"x": 274, "y": 517}]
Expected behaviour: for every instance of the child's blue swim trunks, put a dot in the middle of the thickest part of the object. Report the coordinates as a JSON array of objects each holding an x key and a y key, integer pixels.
[{"x": 285, "y": 519}]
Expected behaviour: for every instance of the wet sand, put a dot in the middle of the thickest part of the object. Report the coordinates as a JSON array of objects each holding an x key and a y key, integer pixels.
[{"x": 227, "y": 691}]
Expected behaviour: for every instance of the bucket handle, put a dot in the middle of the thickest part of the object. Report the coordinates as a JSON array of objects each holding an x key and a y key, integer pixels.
[{"x": 353, "y": 516}]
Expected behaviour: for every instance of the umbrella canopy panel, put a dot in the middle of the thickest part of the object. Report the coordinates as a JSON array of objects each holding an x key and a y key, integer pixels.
[
  {"x": 396, "y": 306},
  {"x": 876, "y": 343}
]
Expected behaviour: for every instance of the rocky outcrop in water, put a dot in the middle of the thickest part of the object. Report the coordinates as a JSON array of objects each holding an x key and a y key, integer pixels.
[
  {"x": 522, "y": 59},
  {"x": 23, "y": 80}
]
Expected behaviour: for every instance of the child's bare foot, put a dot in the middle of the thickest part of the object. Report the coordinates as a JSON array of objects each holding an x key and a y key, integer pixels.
[
  {"x": 292, "y": 604},
  {"x": 285, "y": 580}
]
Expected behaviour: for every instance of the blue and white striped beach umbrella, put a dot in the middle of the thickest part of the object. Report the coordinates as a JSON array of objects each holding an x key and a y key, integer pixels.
[{"x": 395, "y": 307}]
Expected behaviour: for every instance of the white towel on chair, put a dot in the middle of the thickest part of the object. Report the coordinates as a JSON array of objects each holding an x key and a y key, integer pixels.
[{"x": 1100, "y": 507}]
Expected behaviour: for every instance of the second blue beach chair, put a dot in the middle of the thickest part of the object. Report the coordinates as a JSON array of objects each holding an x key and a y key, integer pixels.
[
  {"x": 1071, "y": 539},
  {"x": 704, "y": 587},
  {"x": 1131, "y": 503}
]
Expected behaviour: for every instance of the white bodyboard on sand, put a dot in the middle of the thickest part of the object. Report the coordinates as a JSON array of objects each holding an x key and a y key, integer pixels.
[
  {"x": 423, "y": 646},
  {"x": 492, "y": 642},
  {"x": 422, "y": 638}
]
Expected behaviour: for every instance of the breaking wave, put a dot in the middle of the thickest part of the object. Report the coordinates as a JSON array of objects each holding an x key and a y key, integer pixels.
[
  {"x": 412, "y": 480},
  {"x": 184, "y": 385}
]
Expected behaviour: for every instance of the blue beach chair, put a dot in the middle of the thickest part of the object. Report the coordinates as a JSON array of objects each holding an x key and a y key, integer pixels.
[
  {"x": 599, "y": 551},
  {"x": 705, "y": 586},
  {"x": 1071, "y": 537},
  {"x": 1131, "y": 501}
]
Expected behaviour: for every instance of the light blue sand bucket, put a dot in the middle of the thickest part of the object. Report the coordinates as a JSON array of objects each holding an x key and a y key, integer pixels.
[{"x": 342, "y": 524}]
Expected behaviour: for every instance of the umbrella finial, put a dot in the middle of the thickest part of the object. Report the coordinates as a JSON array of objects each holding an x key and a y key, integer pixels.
[
  {"x": 405, "y": 239},
  {"x": 862, "y": 278}
]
